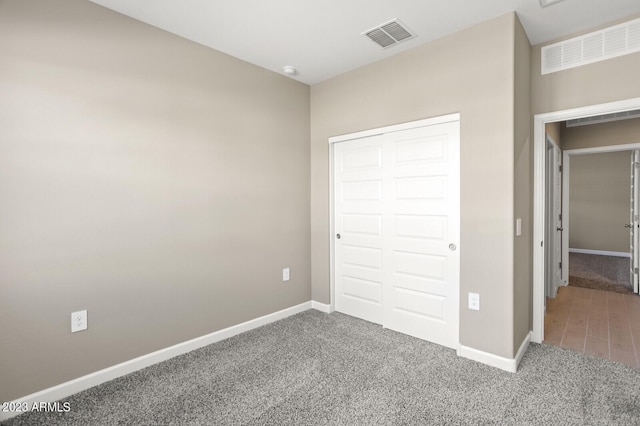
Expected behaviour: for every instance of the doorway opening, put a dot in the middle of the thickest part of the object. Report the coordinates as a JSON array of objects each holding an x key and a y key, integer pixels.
[
  {"x": 541, "y": 236},
  {"x": 599, "y": 203},
  {"x": 552, "y": 230}
]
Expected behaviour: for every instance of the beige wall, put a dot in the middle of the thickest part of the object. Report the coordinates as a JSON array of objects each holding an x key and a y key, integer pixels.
[
  {"x": 555, "y": 131},
  {"x": 523, "y": 260},
  {"x": 600, "y": 185},
  {"x": 471, "y": 72},
  {"x": 157, "y": 183},
  {"x": 607, "y": 81},
  {"x": 604, "y": 134},
  {"x": 163, "y": 186},
  {"x": 599, "y": 201}
]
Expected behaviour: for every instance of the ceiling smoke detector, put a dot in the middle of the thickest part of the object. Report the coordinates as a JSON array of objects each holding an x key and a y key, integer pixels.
[
  {"x": 389, "y": 34},
  {"x": 289, "y": 70}
]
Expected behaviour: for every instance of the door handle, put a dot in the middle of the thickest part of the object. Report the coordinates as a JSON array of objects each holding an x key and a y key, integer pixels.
[
  {"x": 559, "y": 229},
  {"x": 628, "y": 225},
  {"x": 338, "y": 236}
]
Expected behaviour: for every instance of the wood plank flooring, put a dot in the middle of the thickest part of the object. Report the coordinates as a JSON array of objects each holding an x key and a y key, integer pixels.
[{"x": 595, "y": 322}]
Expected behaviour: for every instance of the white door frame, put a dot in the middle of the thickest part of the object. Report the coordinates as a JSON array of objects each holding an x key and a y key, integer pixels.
[
  {"x": 539, "y": 155},
  {"x": 633, "y": 219},
  {"x": 552, "y": 183},
  {"x": 357, "y": 135},
  {"x": 566, "y": 189}
]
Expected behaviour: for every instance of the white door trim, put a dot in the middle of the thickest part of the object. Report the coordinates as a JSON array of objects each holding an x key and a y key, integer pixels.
[
  {"x": 566, "y": 189},
  {"x": 358, "y": 135},
  {"x": 555, "y": 243},
  {"x": 539, "y": 151},
  {"x": 395, "y": 128},
  {"x": 633, "y": 219}
]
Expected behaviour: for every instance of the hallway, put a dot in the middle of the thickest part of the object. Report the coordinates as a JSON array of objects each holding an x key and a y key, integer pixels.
[{"x": 599, "y": 323}]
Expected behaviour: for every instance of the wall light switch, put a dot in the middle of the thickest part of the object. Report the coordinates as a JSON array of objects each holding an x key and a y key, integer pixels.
[
  {"x": 518, "y": 227},
  {"x": 474, "y": 301},
  {"x": 78, "y": 321},
  {"x": 285, "y": 274}
]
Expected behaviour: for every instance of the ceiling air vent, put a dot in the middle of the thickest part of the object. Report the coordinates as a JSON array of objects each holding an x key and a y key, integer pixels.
[
  {"x": 604, "y": 118},
  {"x": 593, "y": 47},
  {"x": 389, "y": 33}
]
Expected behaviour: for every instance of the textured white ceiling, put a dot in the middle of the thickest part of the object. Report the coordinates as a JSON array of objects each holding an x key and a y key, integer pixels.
[{"x": 321, "y": 38}]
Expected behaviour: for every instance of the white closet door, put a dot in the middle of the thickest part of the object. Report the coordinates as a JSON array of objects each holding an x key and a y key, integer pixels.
[
  {"x": 358, "y": 209},
  {"x": 396, "y": 216},
  {"x": 422, "y": 260}
]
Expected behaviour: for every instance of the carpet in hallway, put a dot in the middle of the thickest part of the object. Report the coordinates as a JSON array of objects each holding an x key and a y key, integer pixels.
[{"x": 607, "y": 273}]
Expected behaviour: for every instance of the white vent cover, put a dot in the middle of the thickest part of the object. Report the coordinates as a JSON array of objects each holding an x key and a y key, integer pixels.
[
  {"x": 604, "y": 118},
  {"x": 389, "y": 33},
  {"x": 593, "y": 47}
]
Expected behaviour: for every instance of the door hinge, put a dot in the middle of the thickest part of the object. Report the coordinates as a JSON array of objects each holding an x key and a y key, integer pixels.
[
  {"x": 560, "y": 217},
  {"x": 635, "y": 270},
  {"x": 560, "y": 265},
  {"x": 560, "y": 169}
]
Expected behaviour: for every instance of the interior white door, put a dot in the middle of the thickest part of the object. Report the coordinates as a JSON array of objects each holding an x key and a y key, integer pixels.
[
  {"x": 358, "y": 210},
  {"x": 397, "y": 222},
  {"x": 566, "y": 225},
  {"x": 634, "y": 234},
  {"x": 554, "y": 231},
  {"x": 558, "y": 229}
]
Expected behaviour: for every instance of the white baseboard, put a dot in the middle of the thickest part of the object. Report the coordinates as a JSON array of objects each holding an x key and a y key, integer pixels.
[
  {"x": 507, "y": 364},
  {"x": 600, "y": 252},
  {"x": 322, "y": 307},
  {"x": 71, "y": 387}
]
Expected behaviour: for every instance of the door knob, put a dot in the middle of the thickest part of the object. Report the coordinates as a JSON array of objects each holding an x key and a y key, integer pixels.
[
  {"x": 628, "y": 225},
  {"x": 559, "y": 229},
  {"x": 452, "y": 247},
  {"x": 338, "y": 236}
]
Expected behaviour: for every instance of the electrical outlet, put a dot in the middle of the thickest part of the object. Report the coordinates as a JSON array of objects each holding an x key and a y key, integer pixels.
[
  {"x": 285, "y": 274},
  {"x": 474, "y": 301},
  {"x": 78, "y": 321}
]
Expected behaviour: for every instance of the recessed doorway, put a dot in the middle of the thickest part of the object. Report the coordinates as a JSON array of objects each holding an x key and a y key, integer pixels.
[{"x": 540, "y": 236}]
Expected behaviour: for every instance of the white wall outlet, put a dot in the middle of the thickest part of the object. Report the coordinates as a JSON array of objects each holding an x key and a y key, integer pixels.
[
  {"x": 78, "y": 321},
  {"x": 285, "y": 274},
  {"x": 474, "y": 301}
]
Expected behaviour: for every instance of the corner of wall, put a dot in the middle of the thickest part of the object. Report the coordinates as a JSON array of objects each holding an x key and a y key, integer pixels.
[{"x": 523, "y": 188}]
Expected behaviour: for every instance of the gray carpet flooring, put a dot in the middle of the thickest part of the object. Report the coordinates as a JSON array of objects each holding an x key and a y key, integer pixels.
[
  {"x": 607, "y": 273},
  {"x": 332, "y": 369}
]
